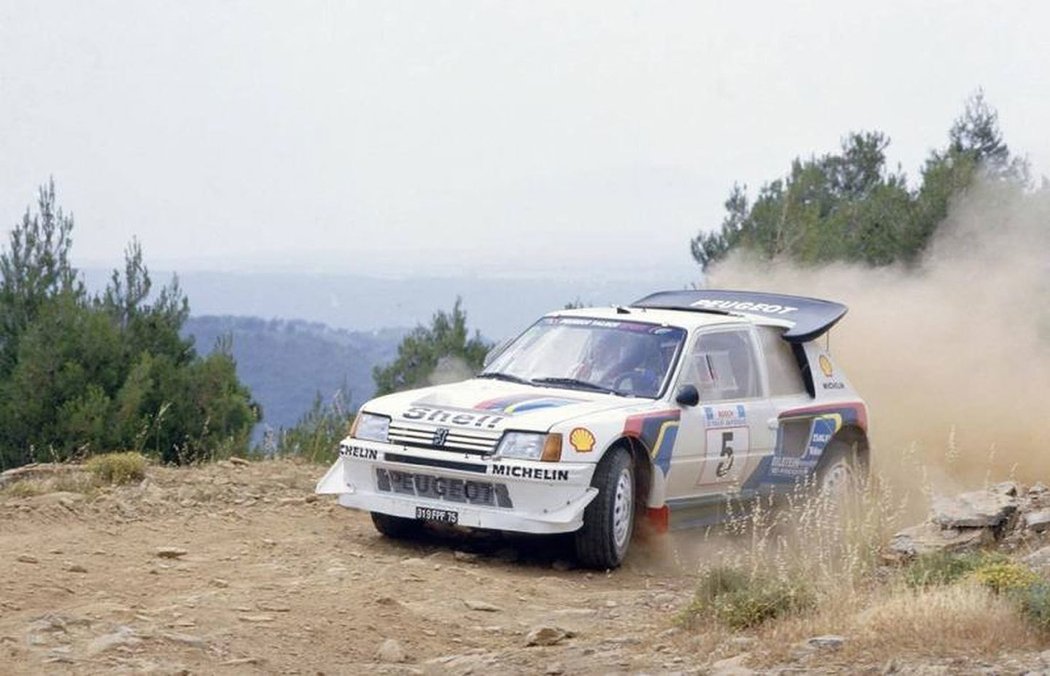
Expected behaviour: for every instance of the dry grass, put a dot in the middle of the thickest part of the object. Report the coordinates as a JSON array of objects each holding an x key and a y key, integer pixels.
[
  {"x": 893, "y": 621},
  {"x": 64, "y": 482},
  {"x": 118, "y": 468},
  {"x": 945, "y": 620}
]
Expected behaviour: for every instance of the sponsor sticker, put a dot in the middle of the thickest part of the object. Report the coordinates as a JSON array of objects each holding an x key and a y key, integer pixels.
[
  {"x": 725, "y": 416},
  {"x": 347, "y": 451},
  {"x": 825, "y": 366},
  {"x": 537, "y": 473},
  {"x": 745, "y": 306},
  {"x": 457, "y": 418},
  {"x": 581, "y": 440},
  {"x": 443, "y": 488}
]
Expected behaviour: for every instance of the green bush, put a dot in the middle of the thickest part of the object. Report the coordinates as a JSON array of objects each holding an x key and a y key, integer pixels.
[
  {"x": 316, "y": 436},
  {"x": 118, "y": 468},
  {"x": 1034, "y": 603},
  {"x": 740, "y": 601},
  {"x": 940, "y": 568}
]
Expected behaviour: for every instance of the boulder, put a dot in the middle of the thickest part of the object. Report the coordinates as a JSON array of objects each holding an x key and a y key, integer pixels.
[
  {"x": 977, "y": 509},
  {"x": 929, "y": 537},
  {"x": 1037, "y": 521}
]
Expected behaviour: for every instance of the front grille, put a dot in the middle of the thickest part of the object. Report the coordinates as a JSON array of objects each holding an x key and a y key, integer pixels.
[{"x": 422, "y": 435}]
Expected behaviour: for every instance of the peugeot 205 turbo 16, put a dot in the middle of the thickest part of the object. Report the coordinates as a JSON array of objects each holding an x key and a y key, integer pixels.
[{"x": 593, "y": 417}]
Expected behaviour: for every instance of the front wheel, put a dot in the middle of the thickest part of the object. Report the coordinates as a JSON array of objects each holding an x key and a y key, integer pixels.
[
  {"x": 608, "y": 521},
  {"x": 395, "y": 527}
]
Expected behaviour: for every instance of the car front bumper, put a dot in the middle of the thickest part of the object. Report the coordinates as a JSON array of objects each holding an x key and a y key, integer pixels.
[{"x": 505, "y": 494}]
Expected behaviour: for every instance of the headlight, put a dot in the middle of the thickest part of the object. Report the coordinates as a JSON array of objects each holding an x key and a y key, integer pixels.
[
  {"x": 530, "y": 446},
  {"x": 370, "y": 427}
]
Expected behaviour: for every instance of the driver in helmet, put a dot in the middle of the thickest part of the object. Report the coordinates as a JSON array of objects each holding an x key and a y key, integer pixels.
[{"x": 621, "y": 362}]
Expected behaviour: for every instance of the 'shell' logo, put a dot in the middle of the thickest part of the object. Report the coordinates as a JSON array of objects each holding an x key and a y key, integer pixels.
[{"x": 440, "y": 436}]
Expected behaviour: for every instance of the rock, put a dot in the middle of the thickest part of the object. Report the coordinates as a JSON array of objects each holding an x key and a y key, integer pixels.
[
  {"x": 977, "y": 509},
  {"x": 464, "y": 557},
  {"x": 664, "y": 599},
  {"x": 391, "y": 652},
  {"x": 928, "y": 537},
  {"x": 1037, "y": 488},
  {"x": 555, "y": 669},
  {"x": 1038, "y": 560},
  {"x": 255, "y": 618},
  {"x": 25, "y": 558},
  {"x": 186, "y": 639},
  {"x": 547, "y": 635},
  {"x": 170, "y": 552},
  {"x": 827, "y": 642},
  {"x": 220, "y": 583},
  {"x": 123, "y": 636},
  {"x": 75, "y": 568},
  {"x": 238, "y": 461},
  {"x": 1008, "y": 488},
  {"x": 483, "y": 606},
  {"x": 1038, "y": 521},
  {"x": 731, "y": 666}
]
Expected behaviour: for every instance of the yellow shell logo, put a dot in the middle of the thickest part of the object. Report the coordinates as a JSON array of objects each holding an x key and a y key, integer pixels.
[
  {"x": 825, "y": 366},
  {"x": 582, "y": 440}
]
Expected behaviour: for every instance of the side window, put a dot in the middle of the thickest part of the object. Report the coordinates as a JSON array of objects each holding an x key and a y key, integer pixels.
[
  {"x": 785, "y": 378},
  {"x": 722, "y": 366}
]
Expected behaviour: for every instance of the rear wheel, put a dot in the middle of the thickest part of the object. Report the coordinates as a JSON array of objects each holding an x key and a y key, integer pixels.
[
  {"x": 608, "y": 521},
  {"x": 396, "y": 527},
  {"x": 842, "y": 470}
]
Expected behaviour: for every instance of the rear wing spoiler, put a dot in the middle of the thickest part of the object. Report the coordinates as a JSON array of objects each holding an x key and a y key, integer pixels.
[{"x": 809, "y": 317}]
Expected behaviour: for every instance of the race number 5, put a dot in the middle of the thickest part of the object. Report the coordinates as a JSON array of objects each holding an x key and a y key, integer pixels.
[
  {"x": 726, "y": 463},
  {"x": 723, "y": 445}
]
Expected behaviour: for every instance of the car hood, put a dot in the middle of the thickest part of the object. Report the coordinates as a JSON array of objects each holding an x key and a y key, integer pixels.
[{"x": 495, "y": 405}]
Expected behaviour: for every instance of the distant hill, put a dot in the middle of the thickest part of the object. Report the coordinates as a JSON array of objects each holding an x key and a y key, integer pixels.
[{"x": 286, "y": 363}]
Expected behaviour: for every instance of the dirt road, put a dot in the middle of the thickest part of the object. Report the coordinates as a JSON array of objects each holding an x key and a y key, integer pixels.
[{"x": 237, "y": 568}]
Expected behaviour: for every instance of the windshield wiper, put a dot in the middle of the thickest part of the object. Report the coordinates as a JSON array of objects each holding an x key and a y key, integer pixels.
[
  {"x": 577, "y": 384},
  {"x": 496, "y": 375}
]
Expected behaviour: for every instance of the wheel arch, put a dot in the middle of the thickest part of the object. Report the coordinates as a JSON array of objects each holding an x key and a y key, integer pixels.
[
  {"x": 642, "y": 462},
  {"x": 855, "y": 439}
]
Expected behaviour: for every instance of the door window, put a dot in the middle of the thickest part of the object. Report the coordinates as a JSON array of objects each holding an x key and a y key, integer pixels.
[{"x": 722, "y": 366}]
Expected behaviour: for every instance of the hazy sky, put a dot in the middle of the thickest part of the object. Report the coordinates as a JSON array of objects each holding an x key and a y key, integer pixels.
[{"x": 472, "y": 136}]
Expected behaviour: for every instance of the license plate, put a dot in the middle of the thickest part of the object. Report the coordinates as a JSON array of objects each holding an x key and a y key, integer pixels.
[{"x": 439, "y": 515}]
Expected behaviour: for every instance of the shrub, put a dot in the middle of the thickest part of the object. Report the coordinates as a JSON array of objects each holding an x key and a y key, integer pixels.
[
  {"x": 940, "y": 568},
  {"x": 1004, "y": 576},
  {"x": 118, "y": 468},
  {"x": 740, "y": 601},
  {"x": 1034, "y": 603}
]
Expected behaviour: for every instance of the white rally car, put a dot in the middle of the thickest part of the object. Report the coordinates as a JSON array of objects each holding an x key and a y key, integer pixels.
[{"x": 594, "y": 416}]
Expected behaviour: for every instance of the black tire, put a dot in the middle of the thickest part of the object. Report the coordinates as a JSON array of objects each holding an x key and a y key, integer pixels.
[
  {"x": 608, "y": 522},
  {"x": 842, "y": 470},
  {"x": 396, "y": 527}
]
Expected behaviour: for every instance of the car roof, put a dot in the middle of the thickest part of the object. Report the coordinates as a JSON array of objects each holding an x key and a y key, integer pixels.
[{"x": 804, "y": 318}]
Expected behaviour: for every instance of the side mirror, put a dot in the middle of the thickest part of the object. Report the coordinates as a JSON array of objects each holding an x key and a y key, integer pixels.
[{"x": 687, "y": 395}]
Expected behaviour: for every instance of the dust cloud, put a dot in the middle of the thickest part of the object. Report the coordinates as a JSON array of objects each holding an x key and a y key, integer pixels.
[
  {"x": 450, "y": 370},
  {"x": 952, "y": 356}
]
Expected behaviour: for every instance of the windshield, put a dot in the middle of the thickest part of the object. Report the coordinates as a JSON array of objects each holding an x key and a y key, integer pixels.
[{"x": 625, "y": 358}]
